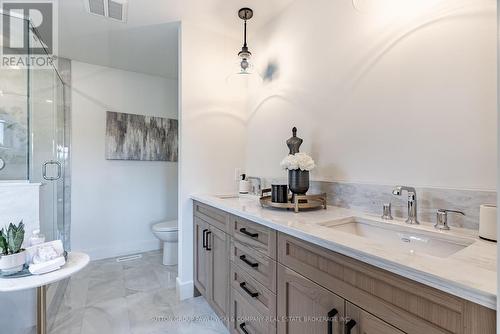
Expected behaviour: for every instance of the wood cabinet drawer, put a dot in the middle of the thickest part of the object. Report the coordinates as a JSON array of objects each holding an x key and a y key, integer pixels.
[
  {"x": 409, "y": 306},
  {"x": 257, "y": 236},
  {"x": 255, "y": 293},
  {"x": 257, "y": 265},
  {"x": 245, "y": 319},
  {"x": 211, "y": 215}
]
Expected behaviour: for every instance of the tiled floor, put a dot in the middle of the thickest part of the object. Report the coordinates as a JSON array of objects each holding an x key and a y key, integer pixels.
[{"x": 131, "y": 297}]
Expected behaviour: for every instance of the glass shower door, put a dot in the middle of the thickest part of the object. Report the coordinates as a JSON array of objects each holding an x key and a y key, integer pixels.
[{"x": 49, "y": 152}]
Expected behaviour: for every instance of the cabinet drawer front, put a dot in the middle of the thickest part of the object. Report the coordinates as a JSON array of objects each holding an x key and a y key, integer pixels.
[
  {"x": 211, "y": 215},
  {"x": 255, "y": 293},
  {"x": 257, "y": 236},
  {"x": 257, "y": 265},
  {"x": 246, "y": 319},
  {"x": 409, "y": 306}
]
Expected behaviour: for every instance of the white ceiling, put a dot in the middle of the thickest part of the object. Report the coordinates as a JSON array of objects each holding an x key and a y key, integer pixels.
[{"x": 147, "y": 42}]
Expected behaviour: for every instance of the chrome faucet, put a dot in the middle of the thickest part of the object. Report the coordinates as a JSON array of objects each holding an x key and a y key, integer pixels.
[
  {"x": 256, "y": 183},
  {"x": 412, "y": 202}
]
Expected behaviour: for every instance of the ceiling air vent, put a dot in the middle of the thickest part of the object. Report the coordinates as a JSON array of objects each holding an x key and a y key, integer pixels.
[
  {"x": 113, "y": 9},
  {"x": 96, "y": 7}
]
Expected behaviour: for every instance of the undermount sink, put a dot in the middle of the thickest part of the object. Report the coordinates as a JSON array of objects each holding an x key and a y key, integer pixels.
[{"x": 402, "y": 238}]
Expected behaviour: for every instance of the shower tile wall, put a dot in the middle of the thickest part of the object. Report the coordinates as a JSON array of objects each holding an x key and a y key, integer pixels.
[{"x": 14, "y": 123}]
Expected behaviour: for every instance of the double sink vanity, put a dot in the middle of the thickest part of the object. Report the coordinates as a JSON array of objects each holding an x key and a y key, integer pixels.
[{"x": 339, "y": 271}]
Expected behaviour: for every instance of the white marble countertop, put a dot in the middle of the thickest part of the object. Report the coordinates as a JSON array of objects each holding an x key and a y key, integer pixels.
[
  {"x": 469, "y": 273},
  {"x": 76, "y": 262}
]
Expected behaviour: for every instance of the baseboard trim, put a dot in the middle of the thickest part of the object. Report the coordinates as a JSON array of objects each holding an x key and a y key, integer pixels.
[
  {"x": 185, "y": 290},
  {"x": 121, "y": 249}
]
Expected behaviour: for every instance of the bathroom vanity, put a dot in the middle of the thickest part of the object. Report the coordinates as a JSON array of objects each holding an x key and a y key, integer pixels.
[{"x": 338, "y": 271}]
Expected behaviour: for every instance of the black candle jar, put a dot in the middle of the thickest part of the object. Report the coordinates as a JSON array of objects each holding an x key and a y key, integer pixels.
[{"x": 279, "y": 193}]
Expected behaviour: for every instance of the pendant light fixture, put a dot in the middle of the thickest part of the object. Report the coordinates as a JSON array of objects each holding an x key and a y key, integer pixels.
[{"x": 245, "y": 66}]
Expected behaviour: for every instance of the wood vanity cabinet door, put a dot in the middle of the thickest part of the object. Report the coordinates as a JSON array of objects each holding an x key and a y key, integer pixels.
[
  {"x": 365, "y": 323},
  {"x": 201, "y": 260},
  {"x": 218, "y": 250},
  {"x": 307, "y": 306}
]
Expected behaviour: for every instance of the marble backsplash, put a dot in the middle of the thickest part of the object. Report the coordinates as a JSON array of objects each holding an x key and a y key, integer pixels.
[{"x": 371, "y": 197}]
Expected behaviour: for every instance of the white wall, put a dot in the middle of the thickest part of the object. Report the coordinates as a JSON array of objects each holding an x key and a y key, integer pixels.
[
  {"x": 399, "y": 91},
  {"x": 114, "y": 203},
  {"x": 212, "y": 137}
]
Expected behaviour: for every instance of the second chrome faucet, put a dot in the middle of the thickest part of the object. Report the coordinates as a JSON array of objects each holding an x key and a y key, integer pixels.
[{"x": 412, "y": 202}]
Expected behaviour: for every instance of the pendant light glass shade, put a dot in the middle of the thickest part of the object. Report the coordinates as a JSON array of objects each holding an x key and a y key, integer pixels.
[{"x": 245, "y": 66}]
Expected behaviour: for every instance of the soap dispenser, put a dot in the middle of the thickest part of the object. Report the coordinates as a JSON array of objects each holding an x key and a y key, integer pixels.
[{"x": 244, "y": 185}]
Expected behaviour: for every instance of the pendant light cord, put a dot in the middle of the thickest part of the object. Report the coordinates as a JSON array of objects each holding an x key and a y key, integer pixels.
[{"x": 245, "y": 35}]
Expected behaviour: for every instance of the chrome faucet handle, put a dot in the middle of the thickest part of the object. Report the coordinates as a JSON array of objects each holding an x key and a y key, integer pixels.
[
  {"x": 387, "y": 214},
  {"x": 442, "y": 218}
]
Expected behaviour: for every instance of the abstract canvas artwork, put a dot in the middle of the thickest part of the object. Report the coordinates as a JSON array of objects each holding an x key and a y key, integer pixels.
[{"x": 139, "y": 137}]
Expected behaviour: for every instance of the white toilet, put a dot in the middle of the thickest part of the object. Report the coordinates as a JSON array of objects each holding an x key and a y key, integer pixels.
[{"x": 167, "y": 232}]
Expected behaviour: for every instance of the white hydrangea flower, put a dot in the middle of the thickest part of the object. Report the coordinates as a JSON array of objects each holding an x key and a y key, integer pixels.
[
  {"x": 305, "y": 162},
  {"x": 298, "y": 161},
  {"x": 290, "y": 162}
]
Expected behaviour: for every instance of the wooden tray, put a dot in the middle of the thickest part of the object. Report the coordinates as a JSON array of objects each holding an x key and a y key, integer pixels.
[{"x": 298, "y": 203}]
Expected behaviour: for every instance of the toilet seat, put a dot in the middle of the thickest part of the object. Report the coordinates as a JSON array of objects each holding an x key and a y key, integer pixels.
[{"x": 166, "y": 226}]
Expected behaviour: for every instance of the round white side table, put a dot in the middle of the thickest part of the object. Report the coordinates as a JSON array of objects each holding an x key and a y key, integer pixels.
[{"x": 76, "y": 262}]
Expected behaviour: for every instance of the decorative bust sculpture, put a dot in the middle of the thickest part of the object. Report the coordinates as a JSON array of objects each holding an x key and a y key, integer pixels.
[{"x": 294, "y": 142}]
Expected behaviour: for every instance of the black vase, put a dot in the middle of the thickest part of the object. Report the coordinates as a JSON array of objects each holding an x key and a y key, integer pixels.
[{"x": 298, "y": 181}]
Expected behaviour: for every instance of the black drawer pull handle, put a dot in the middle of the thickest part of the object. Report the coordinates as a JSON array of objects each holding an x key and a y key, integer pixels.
[
  {"x": 205, "y": 238},
  {"x": 244, "y": 259},
  {"x": 243, "y": 329},
  {"x": 243, "y": 285},
  {"x": 208, "y": 246},
  {"x": 331, "y": 315},
  {"x": 349, "y": 325},
  {"x": 251, "y": 235}
]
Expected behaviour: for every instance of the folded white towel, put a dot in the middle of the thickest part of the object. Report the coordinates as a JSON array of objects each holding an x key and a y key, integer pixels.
[
  {"x": 48, "y": 266},
  {"x": 44, "y": 252}
]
